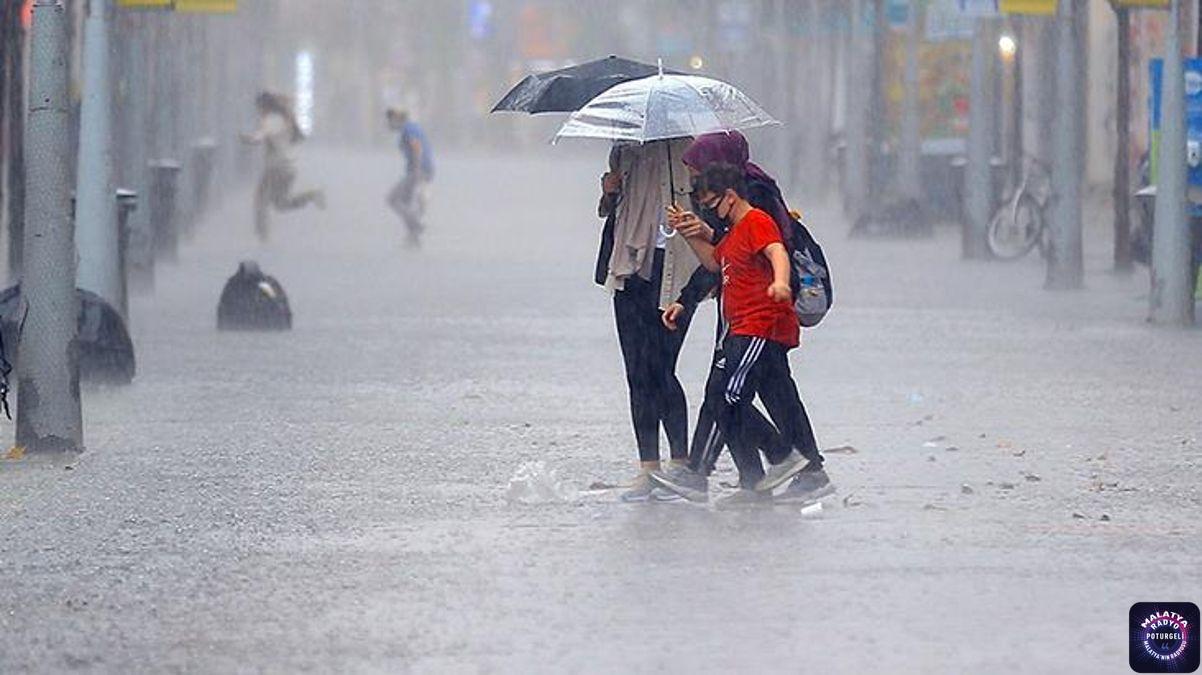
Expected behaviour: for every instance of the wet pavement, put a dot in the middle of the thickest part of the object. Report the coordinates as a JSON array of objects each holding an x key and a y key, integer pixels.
[{"x": 1017, "y": 467}]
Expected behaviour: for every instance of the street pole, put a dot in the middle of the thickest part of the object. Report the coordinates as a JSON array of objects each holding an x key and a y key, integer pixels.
[
  {"x": 14, "y": 35},
  {"x": 1065, "y": 270},
  {"x": 1045, "y": 91},
  {"x": 855, "y": 170},
  {"x": 8, "y": 14},
  {"x": 48, "y": 409},
  {"x": 140, "y": 247},
  {"x": 813, "y": 107},
  {"x": 878, "y": 131},
  {"x": 1122, "y": 159},
  {"x": 785, "y": 152},
  {"x": 96, "y": 233},
  {"x": 1017, "y": 99},
  {"x": 978, "y": 177},
  {"x": 909, "y": 169},
  {"x": 830, "y": 21},
  {"x": 1172, "y": 298}
]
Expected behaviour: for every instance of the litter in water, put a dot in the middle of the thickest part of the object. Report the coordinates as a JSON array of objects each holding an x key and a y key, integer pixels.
[{"x": 535, "y": 483}]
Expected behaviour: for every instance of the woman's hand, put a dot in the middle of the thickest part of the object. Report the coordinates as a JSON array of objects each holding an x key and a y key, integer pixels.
[
  {"x": 780, "y": 292},
  {"x": 671, "y": 313}
]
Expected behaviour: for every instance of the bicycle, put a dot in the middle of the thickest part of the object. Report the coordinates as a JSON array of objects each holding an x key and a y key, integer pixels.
[{"x": 1020, "y": 224}]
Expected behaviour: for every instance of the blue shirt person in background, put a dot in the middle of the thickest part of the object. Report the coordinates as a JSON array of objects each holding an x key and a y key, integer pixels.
[{"x": 408, "y": 198}]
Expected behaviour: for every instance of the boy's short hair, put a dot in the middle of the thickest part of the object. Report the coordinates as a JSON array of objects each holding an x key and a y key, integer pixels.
[{"x": 720, "y": 177}]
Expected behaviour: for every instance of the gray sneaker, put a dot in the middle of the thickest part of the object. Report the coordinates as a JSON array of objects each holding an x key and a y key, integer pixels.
[
  {"x": 640, "y": 490},
  {"x": 662, "y": 494},
  {"x": 742, "y": 499},
  {"x": 808, "y": 486},
  {"x": 684, "y": 482},
  {"x": 779, "y": 473}
]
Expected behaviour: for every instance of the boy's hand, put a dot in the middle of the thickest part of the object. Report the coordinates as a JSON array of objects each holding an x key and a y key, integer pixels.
[
  {"x": 671, "y": 313},
  {"x": 688, "y": 224},
  {"x": 611, "y": 183},
  {"x": 780, "y": 292}
]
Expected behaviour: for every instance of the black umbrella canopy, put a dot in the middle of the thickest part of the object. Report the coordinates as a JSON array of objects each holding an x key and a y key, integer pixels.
[{"x": 569, "y": 89}]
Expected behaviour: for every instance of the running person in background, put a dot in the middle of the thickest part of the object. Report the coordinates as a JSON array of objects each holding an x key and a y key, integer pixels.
[
  {"x": 278, "y": 132},
  {"x": 408, "y": 198}
]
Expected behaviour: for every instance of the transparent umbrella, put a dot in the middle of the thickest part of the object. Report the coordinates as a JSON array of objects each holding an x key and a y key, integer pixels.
[{"x": 665, "y": 106}]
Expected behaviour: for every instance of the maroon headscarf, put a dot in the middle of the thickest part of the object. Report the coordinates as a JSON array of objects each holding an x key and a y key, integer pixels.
[{"x": 730, "y": 147}]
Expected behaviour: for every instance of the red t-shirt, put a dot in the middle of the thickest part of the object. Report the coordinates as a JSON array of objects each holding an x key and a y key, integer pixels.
[{"x": 746, "y": 276}]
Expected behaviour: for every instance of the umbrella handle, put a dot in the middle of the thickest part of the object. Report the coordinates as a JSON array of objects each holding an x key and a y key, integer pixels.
[{"x": 668, "y": 233}]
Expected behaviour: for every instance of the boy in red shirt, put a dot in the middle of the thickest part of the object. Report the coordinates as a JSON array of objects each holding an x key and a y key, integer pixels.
[{"x": 761, "y": 326}]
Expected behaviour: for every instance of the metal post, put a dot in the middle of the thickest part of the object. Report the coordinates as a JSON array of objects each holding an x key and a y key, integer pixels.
[
  {"x": 14, "y": 34},
  {"x": 855, "y": 166},
  {"x": 909, "y": 171},
  {"x": 1172, "y": 301},
  {"x": 164, "y": 214},
  {"x": 810, "y": 109},
  {"x": 831, "y": 20},
  {"x": 1065, "y": 270},
  {"x": 8, "y": 13},
  {"x": 1122, "y": 159},
  {"x": 1017, "y": 99},
  {"x": 978, "y": 177},
  {"x": 783, "y": 152},
  {"x": 96, "y": 233},
  {"x": 127, "y": 204},
  {"x": 877, "y": 126},
  {"x": 140, "y": 247},
  {"x": 201, "y": 163},
  {"x": 1046, "y": 92},
  {"x": 48, "y": 409}
]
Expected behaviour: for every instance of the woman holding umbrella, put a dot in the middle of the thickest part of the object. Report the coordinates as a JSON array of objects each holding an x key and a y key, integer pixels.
[
  {"x": 650, "y": 119},
  {"x": 646, "y": 266}
]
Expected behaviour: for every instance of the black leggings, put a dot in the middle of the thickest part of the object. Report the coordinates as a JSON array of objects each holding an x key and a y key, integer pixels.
[
  {"x": 759, "y": 366},
  {"x": 650, "y": 351}
]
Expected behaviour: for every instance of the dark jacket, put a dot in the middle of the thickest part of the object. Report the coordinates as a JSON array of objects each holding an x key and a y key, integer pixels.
[{"x": 607, "y": 209}]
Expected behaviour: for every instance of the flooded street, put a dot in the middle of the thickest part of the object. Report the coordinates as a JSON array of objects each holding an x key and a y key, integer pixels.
[{"x": 1015, "y": 468}]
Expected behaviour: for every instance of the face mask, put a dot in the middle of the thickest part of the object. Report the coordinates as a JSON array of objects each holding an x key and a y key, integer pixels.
[
  {"x": 709, "y": 214},
  {"x": 713, "y": 214}
]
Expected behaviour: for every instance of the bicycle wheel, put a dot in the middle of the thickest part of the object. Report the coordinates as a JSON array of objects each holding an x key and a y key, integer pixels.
[{"x": 1015, "y": 229}]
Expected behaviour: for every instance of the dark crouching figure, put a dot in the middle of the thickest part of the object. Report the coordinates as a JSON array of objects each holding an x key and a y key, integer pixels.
[
  {"x": 252, "y": 300},
  {"x": 103, "y": 347}
]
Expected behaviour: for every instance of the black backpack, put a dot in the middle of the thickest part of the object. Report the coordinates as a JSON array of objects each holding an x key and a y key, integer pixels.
[
  {"x": 810, "y": 277},
  {"x": 252, "y": 300}
]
